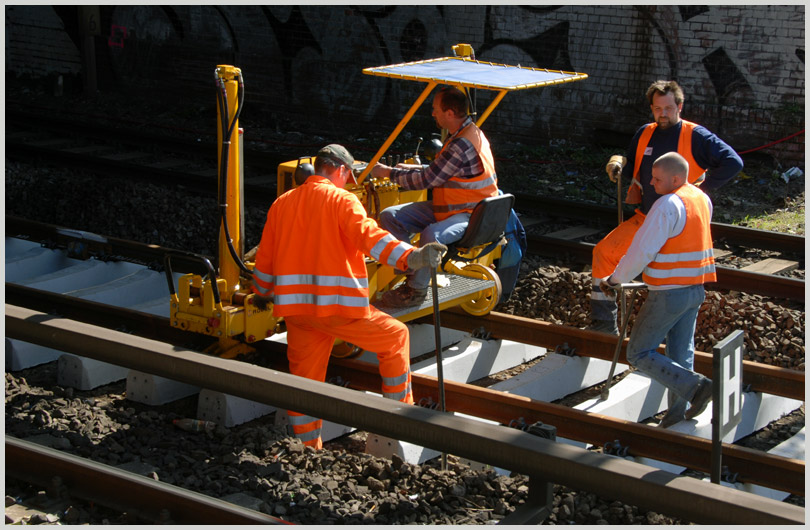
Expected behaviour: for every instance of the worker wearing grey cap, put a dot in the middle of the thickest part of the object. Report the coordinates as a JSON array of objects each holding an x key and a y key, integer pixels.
[{"x": 310, "y": 265}]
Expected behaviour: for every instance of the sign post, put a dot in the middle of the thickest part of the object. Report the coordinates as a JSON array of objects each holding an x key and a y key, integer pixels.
[{"x": 727, "y": 371}]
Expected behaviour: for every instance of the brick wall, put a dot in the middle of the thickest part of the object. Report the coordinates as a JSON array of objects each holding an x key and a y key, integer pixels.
[
  {"x": 741, "y": 67},
  {"x": 37, "y": 44}
]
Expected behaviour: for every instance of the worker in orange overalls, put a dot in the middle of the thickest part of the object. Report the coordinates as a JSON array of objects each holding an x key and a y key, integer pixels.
[
  {"x": 462, "y": 175},
  {"x": 704, "y": 152},
  {"x": 310, "y": 263}
]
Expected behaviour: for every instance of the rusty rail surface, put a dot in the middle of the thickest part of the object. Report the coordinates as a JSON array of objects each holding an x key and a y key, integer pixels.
[{"x": 151, "y": 499}]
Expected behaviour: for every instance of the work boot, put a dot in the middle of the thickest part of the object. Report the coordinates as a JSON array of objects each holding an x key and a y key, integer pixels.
[
  {"x": 703, "y": 394},
  {"x": 403, "y": 296},
  {"x": 670, "y": 419},
  {"x": 604, "y": 326}
]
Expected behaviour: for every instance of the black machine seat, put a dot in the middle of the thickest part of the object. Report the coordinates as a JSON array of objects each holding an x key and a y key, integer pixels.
[{"x": 486, "y": 227}]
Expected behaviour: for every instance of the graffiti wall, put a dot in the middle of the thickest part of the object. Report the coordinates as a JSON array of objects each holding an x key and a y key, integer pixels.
[{"x": 741, "y": 67}]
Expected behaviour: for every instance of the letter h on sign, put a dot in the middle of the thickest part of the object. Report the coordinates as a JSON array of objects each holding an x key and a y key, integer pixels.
[{"x": 727, "y": 395}]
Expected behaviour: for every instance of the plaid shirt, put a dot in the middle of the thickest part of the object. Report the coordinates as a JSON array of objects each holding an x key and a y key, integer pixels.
[{"x": 458, "y": 159}]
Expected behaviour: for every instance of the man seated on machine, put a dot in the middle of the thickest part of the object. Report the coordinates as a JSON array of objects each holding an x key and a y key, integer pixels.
[{"x": 461, "y": 175}]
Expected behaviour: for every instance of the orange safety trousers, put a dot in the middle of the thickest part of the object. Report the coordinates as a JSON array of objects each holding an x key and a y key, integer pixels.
[
  {"x": 609, "y": 251},
  {"x": 309, "y": 345}
]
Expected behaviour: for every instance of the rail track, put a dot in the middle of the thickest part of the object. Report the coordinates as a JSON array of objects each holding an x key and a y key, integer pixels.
[
  {"x": 479, "y": 402},
  {"x": 590, "y": 428},
  {"x": 446, "y": 432},
  {"x": 143, "y": 499},
  {"x": 191, "y": 163}
]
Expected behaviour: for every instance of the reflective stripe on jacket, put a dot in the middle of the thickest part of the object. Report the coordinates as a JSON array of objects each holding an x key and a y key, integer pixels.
[
  {"x": 696, "y": 172},
  {"x": 686, "y": 259},
  {"x": 311, "y": 255},
  {"x": 460, "y": 194}
]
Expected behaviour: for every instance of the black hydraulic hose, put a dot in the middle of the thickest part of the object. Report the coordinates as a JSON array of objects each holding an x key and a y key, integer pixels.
[
  {"x": 227, "y": 134},
  {"x": 167, "y": 262}
]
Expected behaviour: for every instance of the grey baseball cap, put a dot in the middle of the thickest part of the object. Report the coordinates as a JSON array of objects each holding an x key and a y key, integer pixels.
[{"x": 337, "y": 153}]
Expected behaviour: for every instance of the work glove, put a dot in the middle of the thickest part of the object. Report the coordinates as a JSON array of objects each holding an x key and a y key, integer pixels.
[
  {"x": 607, "y": 288},
  {"x": 428, "y": 256},
  {"x": 614, "y": 167}
]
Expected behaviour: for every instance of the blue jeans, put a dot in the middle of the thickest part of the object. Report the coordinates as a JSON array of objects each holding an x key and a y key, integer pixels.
[
  {"x": 670, "y": 314},
  {"x": 405, "y": 220}
]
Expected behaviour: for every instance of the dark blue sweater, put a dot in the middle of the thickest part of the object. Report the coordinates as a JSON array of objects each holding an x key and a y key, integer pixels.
[{"x": 722, "y": 163}]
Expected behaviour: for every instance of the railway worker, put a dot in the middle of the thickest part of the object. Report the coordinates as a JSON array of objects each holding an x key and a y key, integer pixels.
[
  {"x": 712, "y": 163},
  {"x": 461, "y": 175},
  {"x": 673, "y": 248},
  {"x": 310, "y": 263}
]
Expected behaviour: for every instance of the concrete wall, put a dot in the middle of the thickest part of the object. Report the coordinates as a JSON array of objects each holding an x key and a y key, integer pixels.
[{"x": 742, "y": 67}]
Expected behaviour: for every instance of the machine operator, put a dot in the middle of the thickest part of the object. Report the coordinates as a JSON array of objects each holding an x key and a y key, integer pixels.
[
  {"x": 310, "y": 264},
  {"x": 711, "y": 161},
  {"x": 461, "y": 175}
]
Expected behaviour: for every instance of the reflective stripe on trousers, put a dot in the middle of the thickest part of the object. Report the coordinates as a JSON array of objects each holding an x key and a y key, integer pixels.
[
  {"x": 309, "y": 345},
  {"x": 306, "y": 428}
]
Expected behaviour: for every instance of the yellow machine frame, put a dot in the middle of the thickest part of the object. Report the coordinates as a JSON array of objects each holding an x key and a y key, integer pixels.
[{"x": 221, "y": 305}]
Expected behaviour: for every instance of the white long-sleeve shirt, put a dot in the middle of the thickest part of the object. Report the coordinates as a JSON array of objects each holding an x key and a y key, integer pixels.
[{"x": 665, "y": 220}]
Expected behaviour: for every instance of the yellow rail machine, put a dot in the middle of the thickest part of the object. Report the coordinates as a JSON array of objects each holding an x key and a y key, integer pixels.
[{"x": 219, "y": 302}]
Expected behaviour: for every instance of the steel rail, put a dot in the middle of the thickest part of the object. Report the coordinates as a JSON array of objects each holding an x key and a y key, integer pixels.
[
  {"x": 100, "y": 314},
  {"x": 762, "y": 377},
  {"x": 728, "y": 278},
  {"x": 641, "y": 440},
  {"x": 508, "y": 448},
  {"x": 738, "y": 235},
  {"x": 122, "y": 490},
  {"x": 104, "y": 247}
]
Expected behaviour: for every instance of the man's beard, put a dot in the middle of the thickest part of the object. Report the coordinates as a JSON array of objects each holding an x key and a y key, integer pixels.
[{"x": 665, "y": 123}]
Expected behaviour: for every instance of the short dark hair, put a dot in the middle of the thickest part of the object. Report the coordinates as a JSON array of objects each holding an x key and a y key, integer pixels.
[
  {"x": 663, "y": 88},
  {"x": 673, "y": 164},
  {"x": 451, "y": 97},
  {"x": 321, "y": 162}
]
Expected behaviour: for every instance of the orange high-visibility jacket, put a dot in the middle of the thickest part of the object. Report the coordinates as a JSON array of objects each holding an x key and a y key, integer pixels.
[
  {"x": 686, "y": 259},
  {"x": 311, "y": 256},
  {"x": 696, "y": 172},
  {"x": 462, "y": 194}
]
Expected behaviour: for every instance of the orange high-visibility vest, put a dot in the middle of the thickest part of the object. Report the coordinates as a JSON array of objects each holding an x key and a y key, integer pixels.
[
  {"x": 311, "y": 255},
  {"x": 686, "y": 259},
  {"x": 696, "y": 172},
  {"x": 462, "y": 194}
]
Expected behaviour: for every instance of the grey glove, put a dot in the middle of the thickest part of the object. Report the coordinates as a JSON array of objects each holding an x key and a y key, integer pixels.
[{"x": 428, "y": 256}]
